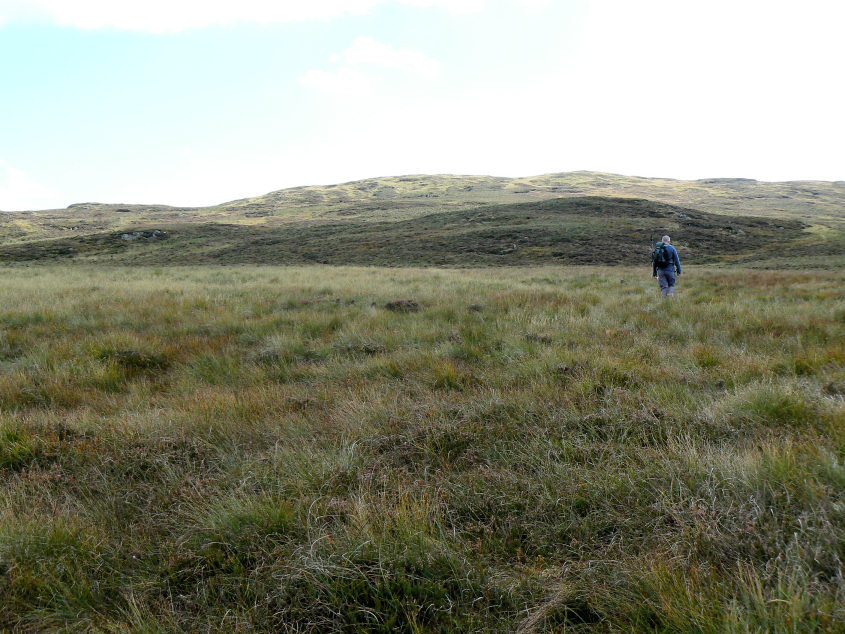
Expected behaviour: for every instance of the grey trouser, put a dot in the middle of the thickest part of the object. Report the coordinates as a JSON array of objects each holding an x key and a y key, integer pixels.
[{"x": 666, "y": 277}]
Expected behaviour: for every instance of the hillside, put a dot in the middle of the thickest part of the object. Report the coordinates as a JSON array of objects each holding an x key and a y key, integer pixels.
[
  {"x": 334, "y": 223},
  {"x": 412, "y": 195},
  {"x": 587, "y": 230}
]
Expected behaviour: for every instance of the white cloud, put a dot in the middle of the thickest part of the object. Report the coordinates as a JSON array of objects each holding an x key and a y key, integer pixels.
[
  {"x": 344, "y": 81},
  {"x": 533, "y": 5},
  {"x": 453, "y": 6},
  {"x": 167, "y": 16},
  {"x": 367, "y": 51},
  {"x": 18, "y": 191},
  {"x": 365, "y": 54},
  {"x": 162, "y": 16}
]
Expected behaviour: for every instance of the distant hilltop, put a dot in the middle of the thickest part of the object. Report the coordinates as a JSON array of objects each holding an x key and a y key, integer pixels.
[
  {"x": 452, "y": 220},
  {"x": 410, "y": 195}
]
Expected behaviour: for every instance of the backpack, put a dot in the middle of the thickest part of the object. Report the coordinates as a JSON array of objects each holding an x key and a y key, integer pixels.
[{"x": 661, "y": 256}]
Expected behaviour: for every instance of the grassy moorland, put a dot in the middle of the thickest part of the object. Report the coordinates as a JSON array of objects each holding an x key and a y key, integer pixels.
[
  {"x": 414, "y": 195},
  {"x": 581, "y": 230},
  {"x": 403, "y": 198},
  {"x": 530, "y": 449}
]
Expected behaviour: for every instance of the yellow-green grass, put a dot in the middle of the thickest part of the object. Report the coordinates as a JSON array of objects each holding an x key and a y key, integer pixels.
[{"x": 271, "y": 449}]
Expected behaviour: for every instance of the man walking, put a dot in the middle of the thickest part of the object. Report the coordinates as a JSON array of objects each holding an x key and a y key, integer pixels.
[{"x": 665, "y": 263}]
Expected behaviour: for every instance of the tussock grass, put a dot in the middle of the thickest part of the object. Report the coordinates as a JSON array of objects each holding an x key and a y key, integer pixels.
[{"x": 272, "y": 449}]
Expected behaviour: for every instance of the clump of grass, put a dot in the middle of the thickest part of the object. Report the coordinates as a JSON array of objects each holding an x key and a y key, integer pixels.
[
  {"x": 706, "y": 357},
  {"x": 447, "y": 376},
  {"x": 771, "y": 404},
  {"x": 18, "y": 447}
]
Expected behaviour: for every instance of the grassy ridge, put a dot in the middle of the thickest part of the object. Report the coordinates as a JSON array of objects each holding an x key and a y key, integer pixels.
[
  {"x": 409, "y": 196},
  {"x": 586, "y": 230},
  {"x": 535, "y": 448},
  {"x": 406, "y": 197}
]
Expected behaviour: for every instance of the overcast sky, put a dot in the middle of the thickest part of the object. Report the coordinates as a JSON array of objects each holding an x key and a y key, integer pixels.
[{"x": 197, "y": 102}]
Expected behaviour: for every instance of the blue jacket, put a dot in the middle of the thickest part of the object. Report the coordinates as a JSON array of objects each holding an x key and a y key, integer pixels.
[{"x": 673, "y": 259}]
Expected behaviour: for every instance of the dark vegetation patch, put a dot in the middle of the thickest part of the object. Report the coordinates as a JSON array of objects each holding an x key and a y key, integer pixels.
[
  {"x": 136, "y": 361},
  {"x": 587, "y": 230},
  {"x": 403, "y": 306}
]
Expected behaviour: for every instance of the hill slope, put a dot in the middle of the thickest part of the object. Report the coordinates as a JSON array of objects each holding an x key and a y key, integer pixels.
[
  {"x": 587, "y": 230},
  {"x": 413, "y": 195},
  {"x": 325, "y": 223}
]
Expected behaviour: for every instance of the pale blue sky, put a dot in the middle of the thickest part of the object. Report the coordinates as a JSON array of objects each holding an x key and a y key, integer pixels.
[{"x": 194, "y": 103}]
